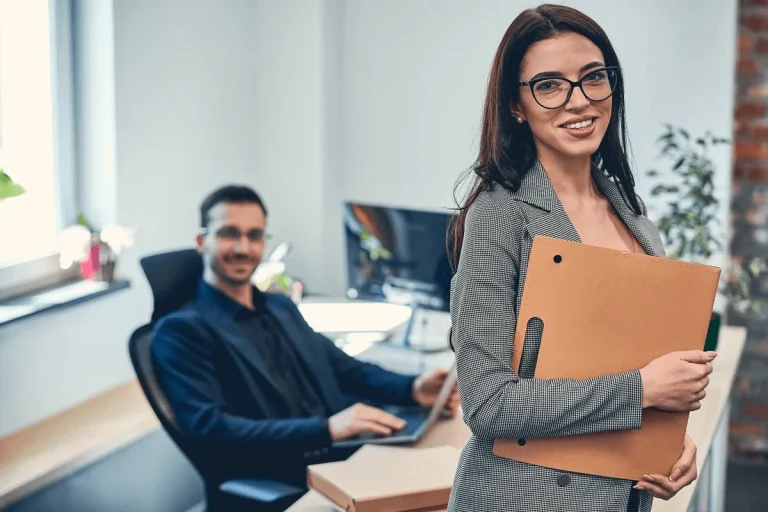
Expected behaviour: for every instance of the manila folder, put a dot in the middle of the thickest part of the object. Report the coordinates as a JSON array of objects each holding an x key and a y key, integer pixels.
[{"x": 605, "y": 312}]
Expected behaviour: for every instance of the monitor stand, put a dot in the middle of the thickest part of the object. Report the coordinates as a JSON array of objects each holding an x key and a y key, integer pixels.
[{"x": 430, "y": 345}]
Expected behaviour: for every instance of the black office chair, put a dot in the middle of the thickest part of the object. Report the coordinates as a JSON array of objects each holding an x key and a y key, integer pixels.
[{"x": 173, "y": 278}]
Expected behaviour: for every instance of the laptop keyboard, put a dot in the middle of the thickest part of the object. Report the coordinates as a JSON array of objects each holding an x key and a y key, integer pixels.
[{"x": 413, "y": 417}]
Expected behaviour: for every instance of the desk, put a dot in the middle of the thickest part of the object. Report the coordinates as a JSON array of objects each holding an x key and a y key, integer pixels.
[{"x": 708, "y": 427}]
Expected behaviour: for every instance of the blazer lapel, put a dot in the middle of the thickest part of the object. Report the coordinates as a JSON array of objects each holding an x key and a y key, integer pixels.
[
  {"x": 307, "y": 350},
  {"x": 536, "y": 189}
]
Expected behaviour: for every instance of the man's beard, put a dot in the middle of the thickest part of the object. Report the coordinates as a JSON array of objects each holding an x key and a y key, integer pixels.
[{"x": 222, "y": 274}]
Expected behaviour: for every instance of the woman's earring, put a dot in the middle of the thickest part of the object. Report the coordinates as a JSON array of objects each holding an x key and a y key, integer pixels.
[{"x": 519, "y": 120}]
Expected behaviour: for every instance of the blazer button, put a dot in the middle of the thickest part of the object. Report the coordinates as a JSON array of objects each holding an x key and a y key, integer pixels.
[{"x": 563, "y": 480}]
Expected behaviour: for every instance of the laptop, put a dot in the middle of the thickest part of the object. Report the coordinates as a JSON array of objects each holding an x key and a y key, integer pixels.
[{"x": 418, "y": 420}]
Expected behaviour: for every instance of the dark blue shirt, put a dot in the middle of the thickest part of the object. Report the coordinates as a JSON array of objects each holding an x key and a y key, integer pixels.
[{"x": 285, "y": 367}]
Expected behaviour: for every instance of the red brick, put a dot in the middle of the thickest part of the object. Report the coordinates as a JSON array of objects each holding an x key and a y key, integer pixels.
[
  {"x": 742, "y": 129},
  {"x": 750, "y": 151},
  {"x": 746, "y": 43},
  {"x": 745, "y": 429},
  {"x": 758, "y": 91},
  {"x": 740, "y": 173},
  {"x": 756, "y": 410},
  {"x": 760, "y": 132},
  {"x": 758, "y": 2},
  {"x": 758, "y": 175},
  {"x": 762, "y": 45},
  {"x": 748, "y": 66},
  {"x": 751, "y": 110},
  {"x": 756, "y": 22}
]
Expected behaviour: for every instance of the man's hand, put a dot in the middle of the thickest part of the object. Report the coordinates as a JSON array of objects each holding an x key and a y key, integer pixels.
[
  {"x": 683, "y": 473},
  {"x": 362, "y": 418},
  {"x": 426, "y": 388}
]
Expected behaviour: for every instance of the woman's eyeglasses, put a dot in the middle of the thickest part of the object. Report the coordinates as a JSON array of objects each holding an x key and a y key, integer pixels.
[{"x": 597, "y": 85}]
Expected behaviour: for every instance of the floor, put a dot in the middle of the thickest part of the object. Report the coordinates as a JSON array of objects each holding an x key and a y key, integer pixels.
[{"x": 151, "y": 475}]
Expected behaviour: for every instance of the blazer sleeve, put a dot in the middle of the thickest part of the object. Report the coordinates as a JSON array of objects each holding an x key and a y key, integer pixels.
[
  {"x": 183, "y": 356},
  {"x": 496, "y": 402},
  {"x": 368, "y": 380}
]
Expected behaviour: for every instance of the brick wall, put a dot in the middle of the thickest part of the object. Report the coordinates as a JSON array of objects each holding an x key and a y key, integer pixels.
[{"x": 749, "y": 212}]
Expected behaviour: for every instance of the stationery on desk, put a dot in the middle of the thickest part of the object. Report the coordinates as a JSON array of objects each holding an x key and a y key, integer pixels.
[
  {"x": 388, "y": 479},
  {"x": 606, "y": 312}
]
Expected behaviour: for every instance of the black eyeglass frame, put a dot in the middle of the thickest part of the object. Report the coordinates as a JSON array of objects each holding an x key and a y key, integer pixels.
[
  {"x": 264, "y": 236},
  {"x": 531, "y": 83}
]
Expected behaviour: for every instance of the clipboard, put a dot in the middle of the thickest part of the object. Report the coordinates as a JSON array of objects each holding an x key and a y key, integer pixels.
[{"x": 605, "y": 312}]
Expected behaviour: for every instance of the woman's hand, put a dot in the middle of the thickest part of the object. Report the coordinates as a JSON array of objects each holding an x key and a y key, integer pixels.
[
  {"x": 683, "y": 473},
  {"x": 677, "y": 381}
]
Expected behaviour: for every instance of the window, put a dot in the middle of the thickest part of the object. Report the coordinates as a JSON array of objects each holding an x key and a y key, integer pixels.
[{"x": 35, "y": 98}]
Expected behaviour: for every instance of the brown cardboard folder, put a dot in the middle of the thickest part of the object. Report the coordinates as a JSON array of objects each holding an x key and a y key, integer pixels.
[{"x": 605, "y": 312}]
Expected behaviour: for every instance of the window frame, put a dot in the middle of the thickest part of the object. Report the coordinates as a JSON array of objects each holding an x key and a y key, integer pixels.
[{"x": 44, "y": 272}]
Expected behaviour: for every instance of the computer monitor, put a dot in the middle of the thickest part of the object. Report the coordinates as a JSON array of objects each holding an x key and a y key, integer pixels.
[{"x": 397, "y": 255}]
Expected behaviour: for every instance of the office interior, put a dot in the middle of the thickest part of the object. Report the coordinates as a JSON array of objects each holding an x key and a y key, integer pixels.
[{"x": 353, "y": 120}]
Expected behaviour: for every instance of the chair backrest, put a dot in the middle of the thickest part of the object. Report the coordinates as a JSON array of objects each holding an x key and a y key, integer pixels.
[{"x": 173, "y": 277}]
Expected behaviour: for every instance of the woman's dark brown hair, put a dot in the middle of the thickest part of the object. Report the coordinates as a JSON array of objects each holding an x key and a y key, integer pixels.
[{"x": 506, "y": 147}]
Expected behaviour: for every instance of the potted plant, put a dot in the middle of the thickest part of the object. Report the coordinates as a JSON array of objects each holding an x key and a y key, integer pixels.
[
  {"x": 8, "y": 188},
  {"x": 96, "y": 251},
  {"x": 689, "y": 225}
]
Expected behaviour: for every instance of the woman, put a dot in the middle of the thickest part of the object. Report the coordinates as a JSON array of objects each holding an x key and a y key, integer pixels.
[{"x": 552, "y": 162}]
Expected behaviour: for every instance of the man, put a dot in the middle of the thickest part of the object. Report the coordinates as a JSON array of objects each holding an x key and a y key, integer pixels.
[{"x": 248, "y": 380}]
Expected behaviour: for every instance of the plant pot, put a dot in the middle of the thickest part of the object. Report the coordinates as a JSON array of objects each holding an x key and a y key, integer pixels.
[
  {"x": 108, "y": 272},
  {"x": 713, "y": 333}
]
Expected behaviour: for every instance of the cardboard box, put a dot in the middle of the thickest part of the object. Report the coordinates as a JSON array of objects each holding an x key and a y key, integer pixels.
[{"x": 388, "y": 479}]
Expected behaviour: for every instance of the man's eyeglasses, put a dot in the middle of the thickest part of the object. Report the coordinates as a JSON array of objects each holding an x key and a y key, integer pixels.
[
  {"x": 554, "y": 92},
  {"x": 231, "y": 234}
]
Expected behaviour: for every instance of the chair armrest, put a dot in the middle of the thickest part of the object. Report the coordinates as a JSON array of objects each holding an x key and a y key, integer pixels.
[{"x": 260, "y": 490}]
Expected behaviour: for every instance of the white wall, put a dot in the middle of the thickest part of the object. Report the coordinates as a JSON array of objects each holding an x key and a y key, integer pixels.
[
  {"x": 415, "y": 73},
  {"x": 206, "y": 92},
  {"x": 210, "y": 93}
]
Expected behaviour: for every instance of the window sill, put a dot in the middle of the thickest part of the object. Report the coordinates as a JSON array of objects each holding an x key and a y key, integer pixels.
[{"x": 59, "y": 297}]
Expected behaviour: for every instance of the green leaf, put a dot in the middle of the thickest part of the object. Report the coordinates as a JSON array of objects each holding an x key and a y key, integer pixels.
[
  {"x": 679, "y": 163},
  {"x": 8, "y": 188},
  {"x": 652, "y": 173},
  {"x": 83, "y": 222},
  {"x": 684, "y": 133}
]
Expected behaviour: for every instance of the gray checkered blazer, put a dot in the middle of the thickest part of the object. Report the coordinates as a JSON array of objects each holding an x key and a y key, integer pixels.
[{"x": 500, "y": 404}]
